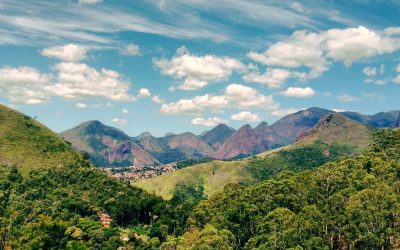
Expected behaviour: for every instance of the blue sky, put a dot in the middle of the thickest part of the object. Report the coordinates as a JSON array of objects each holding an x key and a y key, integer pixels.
[{"x": 187, "y": 65}]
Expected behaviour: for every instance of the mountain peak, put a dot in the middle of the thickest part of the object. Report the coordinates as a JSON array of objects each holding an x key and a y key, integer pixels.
[
  {"x": 145, "y": 134},
  {"x": 218, "y": 135},
  {"x": 336, "y": 127},
  {"x": 261, "y": 128},
  {"x": 242, "y": 143},
  {"x": 245, "y": 127}
]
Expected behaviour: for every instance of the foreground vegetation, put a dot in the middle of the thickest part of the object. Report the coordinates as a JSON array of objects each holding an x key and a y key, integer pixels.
[
  {"x": 353, "y": 203},
  {"x": 52, "y": 198}
]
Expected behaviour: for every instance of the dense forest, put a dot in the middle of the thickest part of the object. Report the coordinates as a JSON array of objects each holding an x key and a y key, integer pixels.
[
  {"x": 347, "y": 203},
  {"x": 352, "y": 203}
]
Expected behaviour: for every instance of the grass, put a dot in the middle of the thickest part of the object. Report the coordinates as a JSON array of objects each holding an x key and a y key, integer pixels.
[
  {"x": 26, "y": 143},
  {"x": 213, "y": 176},
  {"x": 352, "y": 137}
]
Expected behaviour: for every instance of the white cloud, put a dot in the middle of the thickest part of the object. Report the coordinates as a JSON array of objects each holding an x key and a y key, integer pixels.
[
  {"x": 369, "y": 71},
  {"x": 351, "y": 44},
  {"x": 70, "y": 52},
  {"x": 372, "y": 72},
  {"x": 382, "y": 69},
  {"x": 373, "y": 96},
  {"x": 80, "y": 105},
  {"x": 192, "y": 84},
  {"x": 198, "y": 71},
  {"x": 130, "y": 50},
  {"x": 125, "y": 111},
  {"x": 24, "y": 85},
  {"x": 243, "y": 97},
  {"x": 119, "y": 121},
  {"x": 157, "y": 99},
  {"x": 298, "y": 7},
  {"x": 392, "y": 31},
  {"x": 89, "y": 1},
  {"x": 246, "y": 116},
  {"x": 347, "y": 98},
  {"x": 283, "y": 112},
  {"x": 235, "y": 96},
  {"x": 208, "y": 121},
  {"x": 78, "y": 80},
  {"x": 316, "y": 51},
  {"x": 397, "y": 79},
  {"x": 181, "y": 107},
  {"x": 339, "y": 110},
  {"x": 272, "y": 78},
  {"x": 299, "y": 92},
  {"x": 144, "y": 93}
]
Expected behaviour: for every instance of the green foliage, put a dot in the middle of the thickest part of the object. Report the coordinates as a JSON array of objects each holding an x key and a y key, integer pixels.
[
  {"x": 60, "y": 207},
  {"x": 297, "y": 159},
  {"x": 350, "y": 203},
  {"x": 27, "y": 144},
  {"x": 191, "y": 162}
]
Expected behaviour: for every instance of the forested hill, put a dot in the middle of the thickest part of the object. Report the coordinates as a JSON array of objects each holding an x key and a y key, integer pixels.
[
  {"x": 353, "y": 203},
  {"x": 27, "y": 144},
  {"x": 52, "y": 198}
]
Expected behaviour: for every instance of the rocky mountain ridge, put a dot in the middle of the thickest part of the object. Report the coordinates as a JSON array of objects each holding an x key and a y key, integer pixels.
[{"x": 222, "y": 142}]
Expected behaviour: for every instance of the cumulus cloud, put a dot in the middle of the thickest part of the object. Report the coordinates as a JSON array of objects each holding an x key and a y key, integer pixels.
[
  {"x": 69, "y": 52},
  {"x": 80, "y": 105},
  {"x": 144, "y": 93},
  {"x": 119, "y": 121},
  {"x": 299, "y": 92},
  {"x": 351, "y": 44},
  {"x": 243, "y": 97},
  {"x": 273, "y": 78},
  {"x": 125, "y": 111},
  {"x": 397, "y": 79},
  {"x": 246, "y": 116},
  {"x": 89, "y": 1},
  {"x": 347, "y": 98},
  {"x": 369, "y": 71},
  {"x": 213, "y": 121},
  {"x": 316, "y": 51},
  {"x": 24, "y": 85},
  {"x": 372, "y": 72},
  {"x": 192, "y": 84},
  {"x": 78, "y": 80},
  {"x": 130, "y": 50},
  {"x": 235, "y": 96},
  {"x": 197, "y": 71},
  {"x": 157, "y": 99}
]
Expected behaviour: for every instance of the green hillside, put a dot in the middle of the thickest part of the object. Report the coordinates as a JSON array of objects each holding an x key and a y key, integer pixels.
[
  {"x": 353, "y": 203},
  {"x": 211, "y": 177},
  {"x": 330, "y": 139},
  {"x": 52, "y": 198},
  {"x": 26, "y": 143}
]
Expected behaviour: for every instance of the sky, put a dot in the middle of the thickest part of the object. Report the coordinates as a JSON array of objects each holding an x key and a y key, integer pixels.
[{"x": 187, "y": 65}]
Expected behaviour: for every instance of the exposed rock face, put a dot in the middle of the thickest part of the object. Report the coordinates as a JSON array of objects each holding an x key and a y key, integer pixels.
[
  {"x": 261, "y": 129},
  {"x": 108, "y": 146},
  {"x": 244, "y": 142},
  {"x": 150, "y": 143},
  {"x": 218, "y": 135},
  {"x": 190, "y": 145},
  {"x": 397, "y": 123},
  {"x": 286, "y": 130}
]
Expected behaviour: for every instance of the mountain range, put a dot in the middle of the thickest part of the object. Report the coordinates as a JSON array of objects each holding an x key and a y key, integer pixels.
[
  {"x": 108, "y": 146},
  {"x": 333, "y": 136}
]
